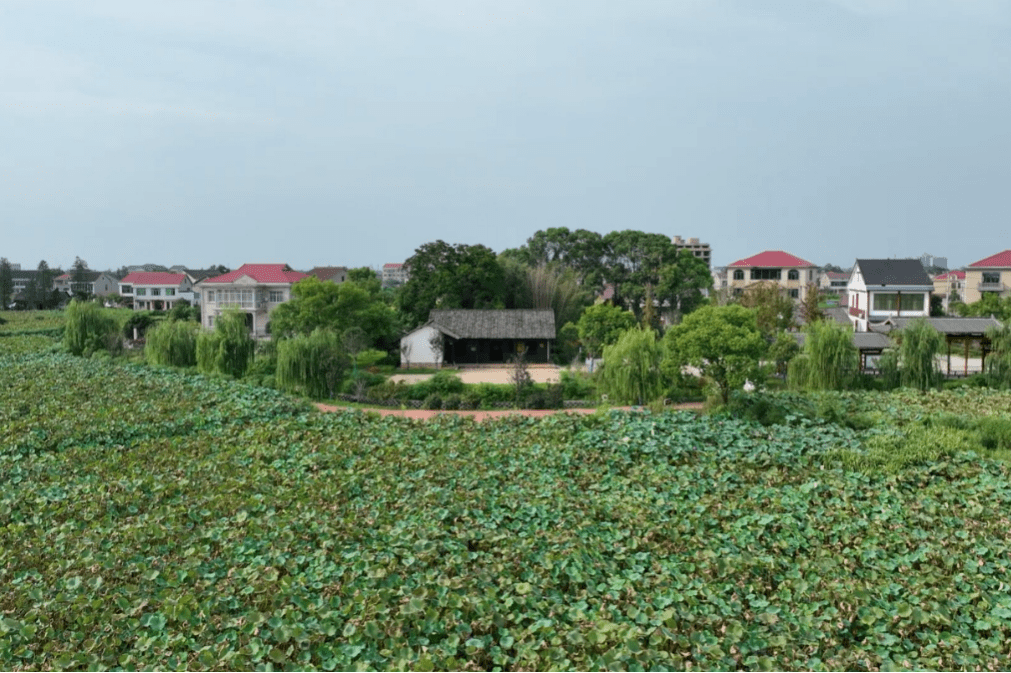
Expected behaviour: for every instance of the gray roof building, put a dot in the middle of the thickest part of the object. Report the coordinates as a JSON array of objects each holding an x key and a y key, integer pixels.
[
  {"x": 894, "y": 272},
  {"x": 494, "y": 323}
]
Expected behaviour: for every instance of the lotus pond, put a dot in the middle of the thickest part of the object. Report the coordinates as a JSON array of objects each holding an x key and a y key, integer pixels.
[{"x": 153, "y": 519}]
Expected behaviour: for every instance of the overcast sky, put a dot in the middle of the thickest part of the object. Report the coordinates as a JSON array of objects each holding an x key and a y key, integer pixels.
[{"x": 313, "y": 132}]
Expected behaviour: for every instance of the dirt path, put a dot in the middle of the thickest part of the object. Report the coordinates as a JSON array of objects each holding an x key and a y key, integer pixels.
[{"x": 426, "y": 414}]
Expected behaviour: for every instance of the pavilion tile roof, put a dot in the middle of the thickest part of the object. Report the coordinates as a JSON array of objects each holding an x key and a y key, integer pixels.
[
  {"x": 774, "y": 259},
  {"x": 1000, "y": 260},
  {"x": 261, "y": 273}
]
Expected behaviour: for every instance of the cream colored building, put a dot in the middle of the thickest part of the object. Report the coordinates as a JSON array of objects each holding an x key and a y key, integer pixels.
[
  {"x": 950, "y": 285},
  {"x": 255, "y": 289},
  {"x": 791, "y": 273},
  {"x": 992, "y": 274}
]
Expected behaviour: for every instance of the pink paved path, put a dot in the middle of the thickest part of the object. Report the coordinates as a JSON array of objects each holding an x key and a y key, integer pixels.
[{"x": 425, "y": 414}]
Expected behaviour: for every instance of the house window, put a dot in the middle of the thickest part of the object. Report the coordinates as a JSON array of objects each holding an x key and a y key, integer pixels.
[
  {"x": 210, "y": 296},
  {"x": 891, "y": 301},
  {"x": 155, "y": 291},
  {"x": 170, "y": 292},
  {"x": 991, "y": 277},
  {"x": 793, "y": 274},
  {"x": 276, "y": 296},
  {"x": 127, "y": 289},
  {"x": 738, "y": 274},
  {"x": 242, "y": 298},
  {"x": 210, "y": 321},
  {"x": 766, "y": 274},
  {"x": 141, "y": 291},
  {"x": 794, "y": 294}
]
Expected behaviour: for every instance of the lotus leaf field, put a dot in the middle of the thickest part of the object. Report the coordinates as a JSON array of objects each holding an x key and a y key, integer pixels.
[{"x": 151, "y": 519}]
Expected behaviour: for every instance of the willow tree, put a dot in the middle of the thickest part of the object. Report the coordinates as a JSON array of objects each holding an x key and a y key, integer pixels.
[
  {"x": 229, "y": 348},
  {"x": 312, "y": 364},
  {"x": 829, "y": 359},
  {"x": 631, "y": 371},
  {"x": 998, "y": 364},
  {"x": 89, "y": 328},
  {"x": 172, "y": 343},
  {"x": 918, "y": 355}
]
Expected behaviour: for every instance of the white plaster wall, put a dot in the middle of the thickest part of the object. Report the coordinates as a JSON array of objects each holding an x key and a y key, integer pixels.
[{"x": 416, "y": 348}]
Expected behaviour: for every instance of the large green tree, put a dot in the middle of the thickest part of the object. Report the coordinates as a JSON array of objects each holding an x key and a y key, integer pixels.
[
  {"x": 338, "y": 307},
  {"x": 681, "y": 286},
  {"x": 602, "y": 325},
  {"x": 633, "y": 260},
  {"x": 44, "y": 286},
  {"x": 450, "y": 276},
  {"x": 6, "y": 283},
  {"x": 722, "y": 342},
  {"x": 580, "y": 251},
  {"x": 79, "y": 284},
  {"x": 773, "y": 309}
]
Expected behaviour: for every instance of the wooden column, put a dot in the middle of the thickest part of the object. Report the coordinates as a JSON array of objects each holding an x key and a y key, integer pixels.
[
  {"x": 966, "y": 363},
  {"x": 947, "y": 337}
]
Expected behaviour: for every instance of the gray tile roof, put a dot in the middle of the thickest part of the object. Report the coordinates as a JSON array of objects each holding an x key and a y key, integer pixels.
[
  {"x": 951, "y": 325},
  {"x": 495, "y": 324},
  {"x": 894, "y": 272},
  {"x": 861, "y": 340}
]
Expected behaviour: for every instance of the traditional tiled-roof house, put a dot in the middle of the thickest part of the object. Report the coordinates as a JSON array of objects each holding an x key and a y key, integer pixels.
[
  {"x": 463, "y": 336},
  {"x": 156, "y": 290},
  {"x": 256, "y": 289},
  {"x": 879, "y": 289},
  {"x": 791, "y": 273},
  {"x": 992, "y": 274}
]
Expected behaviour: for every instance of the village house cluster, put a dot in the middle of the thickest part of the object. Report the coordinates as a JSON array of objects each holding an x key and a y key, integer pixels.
[{"x": 874, "y": 297}]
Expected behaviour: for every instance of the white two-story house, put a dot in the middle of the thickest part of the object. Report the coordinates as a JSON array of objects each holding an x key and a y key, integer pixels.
[
  {"x": 156, "y": 290},
  {"x": 255, "y": 289},
  {"x": 879, "y": 289}
]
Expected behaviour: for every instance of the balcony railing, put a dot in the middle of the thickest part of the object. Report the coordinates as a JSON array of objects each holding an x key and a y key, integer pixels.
[{"x": 991, "y": 287}]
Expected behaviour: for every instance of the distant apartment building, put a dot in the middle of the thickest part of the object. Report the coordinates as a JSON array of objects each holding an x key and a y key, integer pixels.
[
  {"x": 929, "y": 260},
  {"x": 700, "y": 250},
  {"x": 394, "y": 275}
]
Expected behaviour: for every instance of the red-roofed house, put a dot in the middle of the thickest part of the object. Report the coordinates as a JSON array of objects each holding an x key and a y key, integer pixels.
[
  {"x": 791, "y": 273},
  {"x": 950, "y": 286},
  {"x": 992, "y": 274},
  {"x": 833, "y": 282},
  {"x": 256, "y": 289},
  {"x": 394, "y": 275},
  {"x": 156, "y": 290}
]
